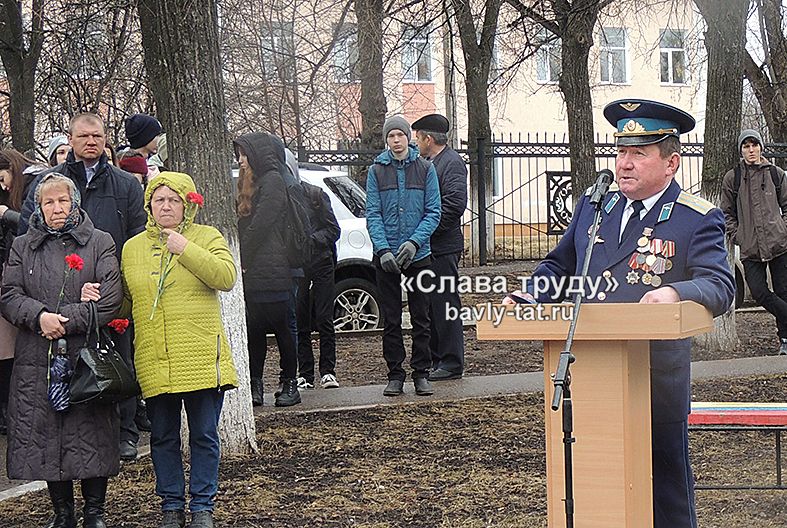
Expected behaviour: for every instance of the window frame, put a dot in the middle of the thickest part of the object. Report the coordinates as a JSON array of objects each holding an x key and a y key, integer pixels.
[
  {"x": 410, "y": 70},
  {"x": 548, "y": 48},
  {"x": 670, "y": 52},
  {"x": 607, "y": 53},
  {"x": 274, "y": 33}
]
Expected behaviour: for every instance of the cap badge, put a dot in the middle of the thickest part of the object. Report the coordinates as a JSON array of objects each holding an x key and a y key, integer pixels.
[
  {"x": 633, "y": 126},
  {"x": 630, "y": 106}
]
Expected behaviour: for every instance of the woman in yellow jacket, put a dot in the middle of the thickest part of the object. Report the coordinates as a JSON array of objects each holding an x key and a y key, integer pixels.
[{"x": 172, "y": 273}]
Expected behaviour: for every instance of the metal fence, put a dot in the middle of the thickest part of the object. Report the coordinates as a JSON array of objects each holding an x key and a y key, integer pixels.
[{"x": 531, "y": 189}]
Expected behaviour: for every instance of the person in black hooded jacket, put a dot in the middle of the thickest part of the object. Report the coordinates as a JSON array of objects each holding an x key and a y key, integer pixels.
[{"x": 267, "y": 275}]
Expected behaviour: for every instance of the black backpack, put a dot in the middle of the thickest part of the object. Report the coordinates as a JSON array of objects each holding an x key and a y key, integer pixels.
[
  {"x": 297, "y": 234},
  {"x": 736, "y": 186}
]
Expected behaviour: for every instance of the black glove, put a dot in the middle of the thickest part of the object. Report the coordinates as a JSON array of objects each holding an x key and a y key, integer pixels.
[
  {"x": 404, "y": 257},
  {"x": 388, "y": 263}
]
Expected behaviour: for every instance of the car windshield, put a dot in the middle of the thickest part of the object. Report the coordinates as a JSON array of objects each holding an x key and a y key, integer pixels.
[{"x": 350, "y": 193}]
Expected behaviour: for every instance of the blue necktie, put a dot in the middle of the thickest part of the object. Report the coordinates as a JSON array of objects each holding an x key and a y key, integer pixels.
[{"x": 633, "y": 220}]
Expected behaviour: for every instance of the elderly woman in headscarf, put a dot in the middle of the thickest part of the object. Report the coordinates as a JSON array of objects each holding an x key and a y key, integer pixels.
[
  {"x": 172, "y": 273},
  {"x": 45, "y": 294}
]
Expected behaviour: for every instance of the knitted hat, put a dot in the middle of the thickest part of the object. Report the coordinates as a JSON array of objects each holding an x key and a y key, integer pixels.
[
  {"x": 397, "y": 122},
  {"x": 749, "y": 134},
  {"x": 141, "y": 129},
  {"x": 54, "y": 143},
  {"x": 134, "y": 164}
]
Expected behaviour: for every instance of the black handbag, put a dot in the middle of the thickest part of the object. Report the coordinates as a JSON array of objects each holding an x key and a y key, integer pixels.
[{"x": 100, "y": 374}]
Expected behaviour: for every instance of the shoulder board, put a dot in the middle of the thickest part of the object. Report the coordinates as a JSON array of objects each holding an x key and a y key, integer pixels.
[
  {"x": 589, "y": 190},
  {"x": 692, "y": 201}
]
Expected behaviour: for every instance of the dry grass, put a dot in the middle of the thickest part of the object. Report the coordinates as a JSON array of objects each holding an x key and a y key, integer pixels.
[{"x": 466, "y": 464}]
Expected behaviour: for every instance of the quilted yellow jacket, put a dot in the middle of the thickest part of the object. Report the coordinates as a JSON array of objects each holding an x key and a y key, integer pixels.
[{"x": 183, "y": 347}]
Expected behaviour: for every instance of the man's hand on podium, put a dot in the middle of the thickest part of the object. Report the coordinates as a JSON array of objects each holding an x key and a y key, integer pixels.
[{"x": 660, "y": 295}]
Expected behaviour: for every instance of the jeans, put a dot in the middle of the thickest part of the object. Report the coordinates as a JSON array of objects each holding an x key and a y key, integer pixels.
[
  {"x": 390, "y": 290},
  {"x": 203, "y": 409},
  {"x": 317, "y": 302},
  {"x": 774, "y": 301}
]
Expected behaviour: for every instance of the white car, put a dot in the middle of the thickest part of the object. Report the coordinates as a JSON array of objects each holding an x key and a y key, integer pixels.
[{"x": 356, "y": 305}]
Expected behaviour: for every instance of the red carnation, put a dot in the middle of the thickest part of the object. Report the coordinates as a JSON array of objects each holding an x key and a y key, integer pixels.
[
  {"x": 195, "y": 198},
  {"x": 75, "y": 262},
  {"x": 118, "y": 325}
]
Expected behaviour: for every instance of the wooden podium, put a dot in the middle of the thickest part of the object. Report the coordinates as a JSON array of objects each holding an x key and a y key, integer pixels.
[{"x": 610, "y": 390}]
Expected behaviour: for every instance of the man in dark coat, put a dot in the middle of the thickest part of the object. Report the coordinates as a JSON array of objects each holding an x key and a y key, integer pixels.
[
  {"x": 662, "y": 245},
  {"x": 113, "y": 199},
  {"x": 446, "y": 342}
]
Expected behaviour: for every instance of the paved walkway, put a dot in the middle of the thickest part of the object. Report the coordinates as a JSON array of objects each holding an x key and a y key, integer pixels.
[{"x": 366, "y": 396}]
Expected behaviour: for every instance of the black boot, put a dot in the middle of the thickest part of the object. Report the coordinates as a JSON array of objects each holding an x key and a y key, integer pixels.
[
  {"x": 289, "y": 395},
  {"x": 256, "y": 392},
  {"x": 94, "y": 491},
  {"x": 62, "y": 495}
]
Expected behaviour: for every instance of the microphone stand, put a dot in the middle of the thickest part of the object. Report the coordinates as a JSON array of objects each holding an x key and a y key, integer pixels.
[{"x": 562, "y": 377}]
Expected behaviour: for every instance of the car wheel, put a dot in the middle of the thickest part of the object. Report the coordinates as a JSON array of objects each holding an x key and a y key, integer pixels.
[{"x": 355, "y": 306}]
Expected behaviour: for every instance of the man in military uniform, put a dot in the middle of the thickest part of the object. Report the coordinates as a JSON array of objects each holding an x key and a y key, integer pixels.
[
  {"x": 447, "y": 341},
  {"x": 663, "y": 245}
]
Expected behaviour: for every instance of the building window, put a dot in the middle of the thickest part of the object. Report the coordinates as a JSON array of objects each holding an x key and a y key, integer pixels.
[
  {"x": 416, "y": 55},
  {"x": 673, "y": 56},
  {"x": 278, "y": 52},
  {"x": 345, "y": 57},
  {"x": 548, "y": 65},
  {"x": 613, "y": 55}
]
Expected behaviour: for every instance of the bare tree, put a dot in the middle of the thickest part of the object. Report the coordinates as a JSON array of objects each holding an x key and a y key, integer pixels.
[
  {"x": 573, "y": 23},
  {"x": 92, "y": 62},
  {"x": 478, "y": 43},
  {"x": 20, "y": 49},
  {"x": 769, "y": 74},
  {"x": 370, "y": 70},
  {"x": 725, "y": 41},
  {"x": 181, "y": 46}
]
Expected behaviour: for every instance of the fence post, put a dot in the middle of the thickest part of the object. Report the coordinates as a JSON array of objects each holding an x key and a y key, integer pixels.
[{"x": 481, "y": 145}]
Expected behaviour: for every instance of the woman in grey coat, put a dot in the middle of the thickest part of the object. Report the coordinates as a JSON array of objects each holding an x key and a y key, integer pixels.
[{"x": 82, "y": 441}]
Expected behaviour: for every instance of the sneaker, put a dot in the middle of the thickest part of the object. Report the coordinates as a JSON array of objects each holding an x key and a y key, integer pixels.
[
  {"x": 783, "y": 347},
  {"x": 303, "y": 384},
  {"x": 329, "y": 381}
]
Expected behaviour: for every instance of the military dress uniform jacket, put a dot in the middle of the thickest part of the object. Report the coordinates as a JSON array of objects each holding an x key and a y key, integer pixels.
[{"x": 680, "y": 228}]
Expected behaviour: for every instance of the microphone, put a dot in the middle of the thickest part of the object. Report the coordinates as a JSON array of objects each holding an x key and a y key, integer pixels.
[{"x": 601, "y": 187}]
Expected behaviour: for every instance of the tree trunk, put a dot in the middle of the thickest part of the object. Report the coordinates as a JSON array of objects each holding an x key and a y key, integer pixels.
[
  {"x": 767, "y": 80},
  {"x": 20, "y": 62},
  {"x": 372, "y": 105},
  {"x": 725, "y": 40},
  {"x": 478, "y": 59},
  {"x": 576, "y": 31},
  {"x": 181, "y": 48}
]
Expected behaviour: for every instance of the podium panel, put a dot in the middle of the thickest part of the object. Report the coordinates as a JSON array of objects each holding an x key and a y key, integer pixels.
[{"x": 610, "y": 391}]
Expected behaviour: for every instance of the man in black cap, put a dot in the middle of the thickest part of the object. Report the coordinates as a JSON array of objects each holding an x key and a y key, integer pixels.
[
  {"x": 142, "y": 133},
  {"x": 662, "y": 245},
  {"x": 446, "y": 343}
]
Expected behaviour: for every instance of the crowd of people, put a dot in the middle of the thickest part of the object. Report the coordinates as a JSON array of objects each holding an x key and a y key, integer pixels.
[{"x": 131, "y": 222}]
